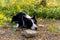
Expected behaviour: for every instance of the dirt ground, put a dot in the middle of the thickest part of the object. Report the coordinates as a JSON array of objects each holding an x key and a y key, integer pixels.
[{"x": 43, "y": 32}]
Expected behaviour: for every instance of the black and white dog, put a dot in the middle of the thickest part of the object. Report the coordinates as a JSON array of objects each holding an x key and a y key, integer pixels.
[{"x": 25, "y": 21}]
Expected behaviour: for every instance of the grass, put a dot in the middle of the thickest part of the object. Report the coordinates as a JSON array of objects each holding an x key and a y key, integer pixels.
[{"x": 12, "y": 7}]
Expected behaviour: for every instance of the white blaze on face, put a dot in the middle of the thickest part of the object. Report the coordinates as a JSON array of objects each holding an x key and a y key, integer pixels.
[{"x": 34, "y": 25}]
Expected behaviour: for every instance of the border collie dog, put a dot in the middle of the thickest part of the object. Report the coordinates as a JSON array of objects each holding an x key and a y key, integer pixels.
[{"x": 25, "y": 21}]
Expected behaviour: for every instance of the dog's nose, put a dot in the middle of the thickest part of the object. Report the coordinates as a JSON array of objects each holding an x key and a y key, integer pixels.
[{"x": 35, "y": 28}]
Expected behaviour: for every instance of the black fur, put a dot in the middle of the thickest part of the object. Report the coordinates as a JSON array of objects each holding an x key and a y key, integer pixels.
[{"x": 20, "y": 18}]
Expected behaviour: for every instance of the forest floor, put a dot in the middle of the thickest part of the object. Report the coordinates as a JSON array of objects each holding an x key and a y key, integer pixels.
[{"x": 43, "y": 32}]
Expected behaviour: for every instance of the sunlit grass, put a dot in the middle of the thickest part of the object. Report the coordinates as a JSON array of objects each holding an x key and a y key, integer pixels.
[
  {"x": 11, "y": 7},
  {"x": 2, "y": 16}
]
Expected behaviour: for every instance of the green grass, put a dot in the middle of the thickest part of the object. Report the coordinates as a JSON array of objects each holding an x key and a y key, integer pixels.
[{"x": 8, "y": 9}]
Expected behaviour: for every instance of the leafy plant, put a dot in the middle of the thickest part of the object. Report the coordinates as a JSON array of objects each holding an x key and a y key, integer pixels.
[
  {"x": 8, "y": 8},
  {"x": 51, "y": 28}
]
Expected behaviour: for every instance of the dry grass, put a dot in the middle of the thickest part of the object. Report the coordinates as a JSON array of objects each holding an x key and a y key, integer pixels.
[{"x": 43, "y": 32}]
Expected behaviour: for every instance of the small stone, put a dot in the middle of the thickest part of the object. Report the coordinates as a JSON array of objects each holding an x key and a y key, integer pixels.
[
  {"x": 2, "y": 32},
  {"x": 39, "y": 39},
  {"x": 29, "y": 33},
  {"x": 41, "y": 25}
]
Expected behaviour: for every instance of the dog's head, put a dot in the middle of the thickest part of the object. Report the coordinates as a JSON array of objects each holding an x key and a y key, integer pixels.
[{"x": 30, "y": 22}]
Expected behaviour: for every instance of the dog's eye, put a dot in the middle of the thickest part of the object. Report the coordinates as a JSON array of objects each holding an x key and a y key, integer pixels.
[{"x": 35, "y": 22}]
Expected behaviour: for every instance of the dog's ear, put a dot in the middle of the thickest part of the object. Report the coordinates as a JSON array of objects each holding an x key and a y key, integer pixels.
[{"x": 34, "y": 17}]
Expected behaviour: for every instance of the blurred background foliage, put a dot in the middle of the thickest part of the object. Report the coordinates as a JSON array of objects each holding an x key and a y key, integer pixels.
[{"x": 40, "y": 8}]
